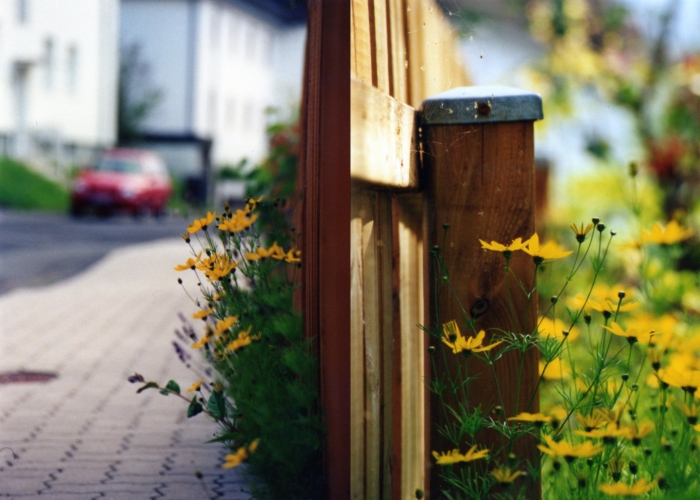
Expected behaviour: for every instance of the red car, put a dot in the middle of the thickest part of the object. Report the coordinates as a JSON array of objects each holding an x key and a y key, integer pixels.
[{"x": 123, "y": 180}]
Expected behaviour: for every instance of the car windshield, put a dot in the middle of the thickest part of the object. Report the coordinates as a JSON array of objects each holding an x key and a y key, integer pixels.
[{"x": 114, "y": 165}]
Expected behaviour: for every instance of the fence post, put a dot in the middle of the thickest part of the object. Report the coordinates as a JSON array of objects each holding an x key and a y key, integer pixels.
[{"x": 479, "y": 167}]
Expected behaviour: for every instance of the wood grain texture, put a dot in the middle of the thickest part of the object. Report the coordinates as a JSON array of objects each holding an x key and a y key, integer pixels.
[
  {"x": 434, "y": 61},
  {"x": 412, "y": 346},
  {"x": 325, "y": 209},
  {"x": 482, "y": 184},
  {"x": 362, "y": 41},
  {"x": 397, "y": 50},
  {"x": 379, "y": 26},
  {"x": 357, "y": 350},
  {"x": 383, "y": 147}
]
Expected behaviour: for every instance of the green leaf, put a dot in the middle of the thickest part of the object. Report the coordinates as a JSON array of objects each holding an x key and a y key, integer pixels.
[
  {"x": 173, "y": 387},
  {"x": 217, "y": 404},
  {"x": 165, "y": 393},
  {"x": 149, "y": 385},
  {"x": 194, "y": 409}
]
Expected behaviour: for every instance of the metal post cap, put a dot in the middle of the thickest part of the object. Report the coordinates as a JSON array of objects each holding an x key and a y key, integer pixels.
[{"x": 481, "y": 104}]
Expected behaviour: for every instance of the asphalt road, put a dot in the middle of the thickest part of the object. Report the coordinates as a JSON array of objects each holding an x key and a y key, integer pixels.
[{"x": 37, "y": 249}]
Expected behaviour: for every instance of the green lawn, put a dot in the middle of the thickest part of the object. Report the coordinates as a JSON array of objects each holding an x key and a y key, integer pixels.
[{"x": 21, "y": 188}]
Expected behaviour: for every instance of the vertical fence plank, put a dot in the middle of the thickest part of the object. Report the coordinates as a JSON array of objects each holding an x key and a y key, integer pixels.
[
  {"x": 326, "y": 225},
  {"x": 412, "y": 346},
  {"x": 483, "y": 186},
  {"x": 362, "y": 40},
  {"x": 385, "y": 245},
  {"x": 397, "y": 50},
  {"x": 357, "y": 348},
  {"x": 380, "y": 44},
  {"x": 372, "y": 354}
]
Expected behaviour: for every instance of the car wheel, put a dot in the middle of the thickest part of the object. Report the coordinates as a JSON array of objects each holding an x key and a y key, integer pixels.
[{"x": 77, "y": 210}]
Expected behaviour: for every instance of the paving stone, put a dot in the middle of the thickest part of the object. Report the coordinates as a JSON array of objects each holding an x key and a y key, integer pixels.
[{"x": 95, "y": 330}]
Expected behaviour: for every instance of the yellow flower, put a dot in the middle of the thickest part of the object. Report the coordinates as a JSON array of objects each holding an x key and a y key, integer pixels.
[
  {"x": 202, "y": 314},
  {"x": 454, "y": 456},
  {"x": 516, "y": 244},
  {"x": 555, "y": 370},
  {"x": 593, "y": 421},
  {"x": 581, "y": 232},
  {"x": 551, "y": 250},
  {"x": 224, "y": 325},
  {"x": 604, "y": 298},
  {"x": 672, "y": 233},
  {"x": 609, "y": 434},
  {"x": 275, "y": 251},
  {"x": 196, "y": 385},
  {"x": 631, "y": 334},
  {"x": 235, "y": 459},
  {"x": 569, "y": 451},
  {"x": 549, "y": 328},
  {"x": 238, "y": 221},
  {"x": 220, "y": 267},
  {"x": 454, "y": 339},
  {"x": 251, "y": 203},
  {"x": 293, "y": 256},
  {"x": 244, "y": 339},
  {"x": 202, "y": 223},
  {"x": 190, "y": 264},
  {"x": 538, "y": 419},
  {"x": 624, "y": 490},
  {"x": 677, "y": 375},
  {"x": 505, "y": 476},
  {"x": 201, "y": 342},
  {"x": 690, "y": 412},
  {"x": 636, "y": 433}
]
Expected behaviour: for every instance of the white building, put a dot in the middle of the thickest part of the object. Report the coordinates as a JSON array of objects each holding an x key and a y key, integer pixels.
[
  {"x": 219, "y": 65},
  {"x": 58, "y": 78}
]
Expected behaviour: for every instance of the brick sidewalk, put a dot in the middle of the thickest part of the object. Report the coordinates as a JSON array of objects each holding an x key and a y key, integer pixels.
[{"x": 87, "y": 434}]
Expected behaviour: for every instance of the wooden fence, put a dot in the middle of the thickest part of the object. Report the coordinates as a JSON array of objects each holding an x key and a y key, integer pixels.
[
  {"x": 361, "y": 164},
  {"x": 401, "y": 53}
]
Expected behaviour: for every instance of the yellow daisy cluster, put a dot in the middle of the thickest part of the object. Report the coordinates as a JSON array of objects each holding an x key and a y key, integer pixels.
[
  {"x": 275, "y": 252},
  {"x": 551, "y": 250},
  {"x": 242, "y": 454},
  {"x": 242, "y": 219},
  {"x": 455, "y": 456}
]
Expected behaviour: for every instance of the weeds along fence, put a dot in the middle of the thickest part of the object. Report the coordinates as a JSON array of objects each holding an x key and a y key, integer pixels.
[{"x": 362, "y": 166}]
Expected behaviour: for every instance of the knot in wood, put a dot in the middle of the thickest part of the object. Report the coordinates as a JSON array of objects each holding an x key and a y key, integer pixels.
[{"x": 479, "y": 308}]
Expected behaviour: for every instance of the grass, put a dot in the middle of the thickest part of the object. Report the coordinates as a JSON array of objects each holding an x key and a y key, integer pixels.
[{"x": 21, "y": 188}]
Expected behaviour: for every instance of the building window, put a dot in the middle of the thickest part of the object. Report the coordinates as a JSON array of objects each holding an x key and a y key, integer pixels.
[
  {"x": 22, "y": 11},
  {"x": 49, "y": 62},
  {"x": 72, "y": 67}
]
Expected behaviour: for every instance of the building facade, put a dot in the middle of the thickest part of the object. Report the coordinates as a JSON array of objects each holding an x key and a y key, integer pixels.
[
  {"x": 59, "y": 64},
  {"x": 218, "y": 66}
]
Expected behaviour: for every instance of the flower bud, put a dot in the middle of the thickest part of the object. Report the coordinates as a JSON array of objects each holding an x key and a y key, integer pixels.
[
  {"x": 595, "y": 220},
  {"x": 621, "y": 294},
  {"x": 633, "y": 169},
  {"x": 446, "y": 226},
  {"x": 633, "y": 468},
  {"x": 600, "y": 227},
  {"x": 431, "y": 350},
  {"x": 554, "y": 299}
]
